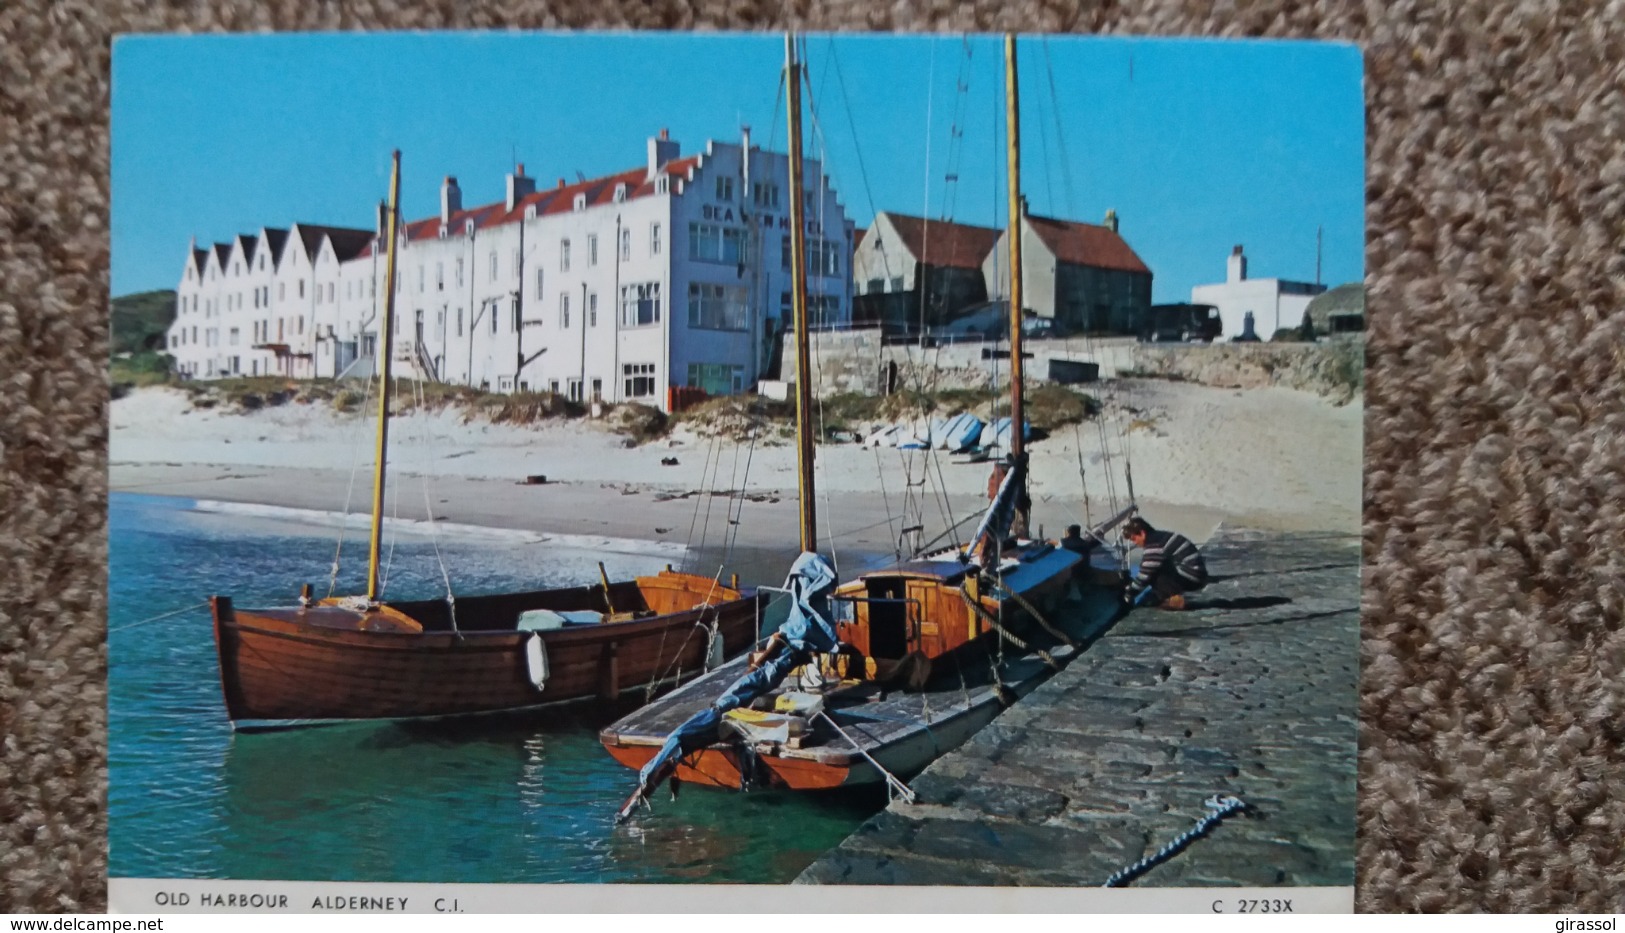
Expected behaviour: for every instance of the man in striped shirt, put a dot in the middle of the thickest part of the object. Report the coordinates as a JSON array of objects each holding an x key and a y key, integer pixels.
[{"x": 1170, "y": 567}]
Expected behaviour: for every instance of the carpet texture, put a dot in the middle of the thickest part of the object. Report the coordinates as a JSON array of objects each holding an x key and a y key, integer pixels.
[{"x": 1493, "y": 711}]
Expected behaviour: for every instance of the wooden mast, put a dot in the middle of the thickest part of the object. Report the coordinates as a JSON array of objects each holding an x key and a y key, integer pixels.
[
  {"x": 1012, "y": 118},
  {"x": 388, "y": 350},
  {"x": 798, "y": 292}
]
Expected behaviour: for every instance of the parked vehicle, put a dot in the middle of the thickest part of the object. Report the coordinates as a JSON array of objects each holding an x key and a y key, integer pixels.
[{"x": 1181, "y": 323}]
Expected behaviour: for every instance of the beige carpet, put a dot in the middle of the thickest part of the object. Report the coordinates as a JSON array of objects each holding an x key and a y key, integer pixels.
[{"x": 1492, "y": 770}]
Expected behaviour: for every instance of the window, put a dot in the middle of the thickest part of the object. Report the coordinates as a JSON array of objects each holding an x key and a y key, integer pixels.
[
  {"x": 459, "y": 272},
  {"x": 329, "y": 291},
  {"x": 716, "y": 307},
  {"x": 459, "y": 322},
  {"x": 232, "y": 336},
  {"x": 897, "y": 285},
  {"x": 711, "y": 243},
  {"x": 626, "y": 244},
  {"x": 725, "y": 188},
  {"x": 654, "y": 239},
  {"x": 823, "y": 309},
  {"x": 598, "y": 390},
  {"x": 516, "y": 265},
  {"x": 420, "y": 279},
  {"x": 440, "y": 276},
  {"x": 493, "y": 317},
  {"x": 765, "y": 194},
  {"x": 493, "y": 265},
  {"x": 575, "y": 390},
  {"x": 640, "y": 305},
  {"x": 592, "y": 310},
  {"x": 717, "y": 378},
  {"x": 638, "y": 379},
  {"x": 784, "y": 252},
  {"x": 876, "y": 286},
  {"x": 505, "y": 384},
  {"x": 564, "y": 255},
  {"x": 538, "y": 282},
  {"x": 564, "y": 310},
  {"x": 592, "y": 249},
  {"x": 553, "y": 386}
]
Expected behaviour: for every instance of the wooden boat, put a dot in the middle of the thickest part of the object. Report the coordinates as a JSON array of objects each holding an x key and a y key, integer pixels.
[
  {"x": 932, "y": 649},
  {"x": 363, "y": 658}
]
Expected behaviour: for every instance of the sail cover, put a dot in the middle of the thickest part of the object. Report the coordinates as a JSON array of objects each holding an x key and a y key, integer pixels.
[
  {"x": 807, "y": 630},
  {"x": 1001, "y": 512}
]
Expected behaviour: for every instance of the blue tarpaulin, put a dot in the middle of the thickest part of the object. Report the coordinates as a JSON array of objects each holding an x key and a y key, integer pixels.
[{"x": 806, "y": 631}]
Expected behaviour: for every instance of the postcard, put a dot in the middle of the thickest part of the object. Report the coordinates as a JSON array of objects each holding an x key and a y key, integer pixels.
[{"x": 547, "y": 466}]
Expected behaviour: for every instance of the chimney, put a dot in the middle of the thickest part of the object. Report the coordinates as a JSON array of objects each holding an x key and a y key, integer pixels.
[
  {"x": 519, "y": 186},
  {"x": 383, "y": 220},
  {"x": 451, "y": 199},
  {"x": 1237, "y": 271},
  {"x": 661, "y": 150},
  {"x": 1111, "y": 219}
]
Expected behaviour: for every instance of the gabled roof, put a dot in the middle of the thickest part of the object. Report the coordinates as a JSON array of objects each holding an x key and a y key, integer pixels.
[
  {"x": 347, "y": 241},
  {"x": 558, "y": 200},
  {"x": 941, "y": 243},
  {"x": 249, "y": 241},
  {"x": 222, "y": 252},
  {"x": 275, "y": 238},
  {"x": 199, "y": 259},
  {"x": 1086, "y": 244}
]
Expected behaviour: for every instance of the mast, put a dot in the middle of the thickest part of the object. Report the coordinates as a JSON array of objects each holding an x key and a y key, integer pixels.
[
  {"x": 1012, "y": 117},
  {"x": 383, "y": 381},
  {"x": 798, "y": 292}
]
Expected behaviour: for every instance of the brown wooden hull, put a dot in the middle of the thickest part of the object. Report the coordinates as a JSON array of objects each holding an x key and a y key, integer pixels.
[{"x": 281, "y": 667}]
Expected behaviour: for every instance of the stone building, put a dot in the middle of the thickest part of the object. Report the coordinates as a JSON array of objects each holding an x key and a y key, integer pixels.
[
  {"x": 910, "y": 272},
  {"x": 1083, "y": 277}
]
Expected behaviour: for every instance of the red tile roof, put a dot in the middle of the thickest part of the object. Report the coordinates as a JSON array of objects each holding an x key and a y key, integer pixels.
[
  {"x": 941, "y": 243},
  {"x": 557, "y": 200},
  {"x": 1086, "y": 244}
]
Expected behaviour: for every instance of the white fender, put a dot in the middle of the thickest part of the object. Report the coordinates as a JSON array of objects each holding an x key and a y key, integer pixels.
[{"x": 536, "y": 661}]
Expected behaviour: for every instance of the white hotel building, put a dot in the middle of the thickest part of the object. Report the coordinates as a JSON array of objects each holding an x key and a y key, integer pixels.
[{"x": 675, "y": 273}]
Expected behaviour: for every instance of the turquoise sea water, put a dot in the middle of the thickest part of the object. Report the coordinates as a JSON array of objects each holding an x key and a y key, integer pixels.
[{"x": 525, "y": 799}]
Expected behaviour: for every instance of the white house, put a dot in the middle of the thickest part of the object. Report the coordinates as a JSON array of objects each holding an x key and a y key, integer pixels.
[
  {"x": 671, "y": 274},
  {"x": 1273, "y": 303}
]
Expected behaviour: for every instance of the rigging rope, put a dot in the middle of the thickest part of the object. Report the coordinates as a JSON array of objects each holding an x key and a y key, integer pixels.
[
  {"x": 427, "y": 477},
  {"x": 355, "y": 458}
]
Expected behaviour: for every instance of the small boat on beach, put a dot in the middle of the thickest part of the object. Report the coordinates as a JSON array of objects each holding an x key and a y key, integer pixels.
[{"x": 359, "y": 658}]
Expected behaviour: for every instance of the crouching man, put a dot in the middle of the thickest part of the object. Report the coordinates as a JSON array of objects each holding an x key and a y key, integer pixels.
[{"x": 1170, "y": 567}]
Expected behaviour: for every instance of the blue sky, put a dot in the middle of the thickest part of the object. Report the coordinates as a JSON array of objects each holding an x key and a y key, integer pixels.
[{"x": 1198, "y": 145}]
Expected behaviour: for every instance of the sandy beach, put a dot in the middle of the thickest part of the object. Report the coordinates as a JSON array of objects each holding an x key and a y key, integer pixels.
[{"x": 1265, "y": 458}]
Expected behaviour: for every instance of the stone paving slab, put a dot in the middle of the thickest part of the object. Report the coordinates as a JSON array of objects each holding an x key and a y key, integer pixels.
[{"x": 1252, "y": 692}]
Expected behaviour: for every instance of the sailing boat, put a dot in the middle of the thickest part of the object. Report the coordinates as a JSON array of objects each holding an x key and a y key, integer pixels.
[
  {"x": 921, "y": 654},
  {"x": 361, "y": 658}
]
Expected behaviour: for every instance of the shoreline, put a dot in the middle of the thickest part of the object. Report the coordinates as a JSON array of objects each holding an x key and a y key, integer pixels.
[{"x": 1272, "y": 459}]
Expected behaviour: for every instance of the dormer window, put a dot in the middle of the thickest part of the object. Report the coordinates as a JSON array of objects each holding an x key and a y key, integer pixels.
[
  {"x": 444, "y": 230},
  {"x": 620, "y": 193},
  {"x": 468, "y": 227},
  {"x": 581, "y": 202},
  {"x": 530, "y": 212},
  {"x": 662, "y": 185}
]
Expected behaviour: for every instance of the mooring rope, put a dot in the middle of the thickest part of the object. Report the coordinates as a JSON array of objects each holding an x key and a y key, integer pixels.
[
  {"x": 894, "y": 784},
  {"x": 192, "y": 608},
  {"x": 1221, "y": 805}
]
